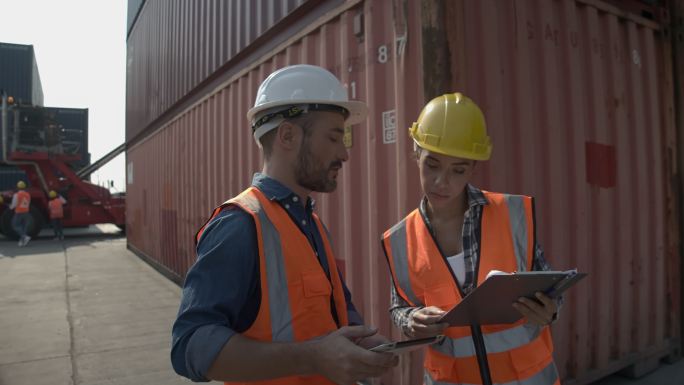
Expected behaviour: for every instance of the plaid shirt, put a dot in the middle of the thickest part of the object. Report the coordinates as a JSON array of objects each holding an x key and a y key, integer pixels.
[{"x": 401, "y": 311}]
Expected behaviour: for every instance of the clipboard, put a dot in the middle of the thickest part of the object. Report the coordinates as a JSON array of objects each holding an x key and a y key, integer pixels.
[{"x": 491, "y": 302}]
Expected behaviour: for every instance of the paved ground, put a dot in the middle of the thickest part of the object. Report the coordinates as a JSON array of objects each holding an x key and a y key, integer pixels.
[
  {"x": 87, "y": 311},
  {"x": 83, "y": 312},
  {"x": 667, "y": 374}
]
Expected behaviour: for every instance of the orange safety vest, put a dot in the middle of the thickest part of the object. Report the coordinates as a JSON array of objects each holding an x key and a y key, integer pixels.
[
  {"x": 56, "y": 208},
  {"x": 516, "y": 352},
  {"x": 23, "y": 202},
  {"x": 295, "y": 292}
]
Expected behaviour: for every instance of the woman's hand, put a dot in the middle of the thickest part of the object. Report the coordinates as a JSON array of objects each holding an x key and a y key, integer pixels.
[
  {"x": 425, "y": 322},
  {"x": 539, "y": 312}
]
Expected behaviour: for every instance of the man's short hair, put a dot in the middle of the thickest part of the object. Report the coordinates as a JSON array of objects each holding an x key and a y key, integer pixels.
[{"x": 304, "y": 121}]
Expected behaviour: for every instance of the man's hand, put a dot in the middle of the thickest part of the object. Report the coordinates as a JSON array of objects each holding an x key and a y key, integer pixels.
[
  {"x": 424, "y": 323},
  {"x": 335, "y": 356},
  {"x": 537, "y": 312},
  {"x": 343, "y": 362},
  {"x": 372, "y": 341}
]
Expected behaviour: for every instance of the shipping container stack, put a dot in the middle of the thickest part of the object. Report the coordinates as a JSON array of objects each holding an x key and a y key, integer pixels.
[
  {"x": 38, "y": 128},
  {"x": 19, "y": 75}
]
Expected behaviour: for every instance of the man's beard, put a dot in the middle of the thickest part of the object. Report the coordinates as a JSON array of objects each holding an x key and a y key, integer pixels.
[{"x": 311, "y": 174}]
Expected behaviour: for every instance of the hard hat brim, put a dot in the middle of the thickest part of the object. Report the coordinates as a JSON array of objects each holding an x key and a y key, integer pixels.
[
  {"x": 358, "y": 111},
  {"x": 482, "y": 156}
]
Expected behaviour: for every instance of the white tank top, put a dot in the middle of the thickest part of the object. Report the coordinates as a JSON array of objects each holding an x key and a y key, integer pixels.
[{"x": 457, "y": 264}]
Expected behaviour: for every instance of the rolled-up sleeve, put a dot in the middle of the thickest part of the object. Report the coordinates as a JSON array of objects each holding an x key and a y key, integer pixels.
[
  {"x": 539, "y": 263},
  {"x": 220, "y": 295}
]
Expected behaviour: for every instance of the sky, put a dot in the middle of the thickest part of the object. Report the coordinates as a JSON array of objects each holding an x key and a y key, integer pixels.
[{"x": 80, "y": 48}]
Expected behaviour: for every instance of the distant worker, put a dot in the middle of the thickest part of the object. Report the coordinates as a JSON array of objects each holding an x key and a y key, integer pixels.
[
  {"x": 56, "y": 206},
  {"x": 21, "y": 200}
]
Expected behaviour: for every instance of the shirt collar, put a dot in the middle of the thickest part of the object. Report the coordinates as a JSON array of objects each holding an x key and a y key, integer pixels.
[
  {"x": 274, "y": 190},
  {"x": 475, "y": 196}
]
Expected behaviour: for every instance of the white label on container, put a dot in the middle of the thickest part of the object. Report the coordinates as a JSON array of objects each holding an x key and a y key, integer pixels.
[
  {"x": 636, "y": 58},
  {"x": 389, "y": 126},
  {"x": 129, "y": 173}
]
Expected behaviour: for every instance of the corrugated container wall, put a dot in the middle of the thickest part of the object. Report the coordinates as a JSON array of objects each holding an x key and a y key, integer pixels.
[
  {"x": 579, "y": 101},
  {"x": 19, "y": 74},
  {"x": 578, "y": 96},
  {"x": 176, "y": 45}
]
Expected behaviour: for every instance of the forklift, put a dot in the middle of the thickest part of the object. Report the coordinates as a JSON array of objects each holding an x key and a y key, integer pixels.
[{"x": 34, "y": 143}]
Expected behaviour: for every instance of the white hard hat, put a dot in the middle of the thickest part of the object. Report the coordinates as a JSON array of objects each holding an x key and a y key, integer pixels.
[{"x": 302, "y": 88}]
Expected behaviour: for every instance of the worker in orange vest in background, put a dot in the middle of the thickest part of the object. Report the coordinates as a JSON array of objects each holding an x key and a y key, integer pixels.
[
  {"x": 21, "y": 201},
  {"x": 443, "y": 249},
  {"x": 56, "y": 206}
]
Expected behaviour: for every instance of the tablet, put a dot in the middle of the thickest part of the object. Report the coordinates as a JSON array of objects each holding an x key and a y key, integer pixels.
[
  {"x": 492, "y": 301},
  {"x": 407, "y": 346}
]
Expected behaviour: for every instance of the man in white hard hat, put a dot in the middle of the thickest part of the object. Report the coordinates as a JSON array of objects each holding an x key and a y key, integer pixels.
[{"x": 264, "y": 303}]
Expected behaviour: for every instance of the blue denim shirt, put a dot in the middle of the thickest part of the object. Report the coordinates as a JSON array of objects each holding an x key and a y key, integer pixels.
[{"x": 222, "y": 290}]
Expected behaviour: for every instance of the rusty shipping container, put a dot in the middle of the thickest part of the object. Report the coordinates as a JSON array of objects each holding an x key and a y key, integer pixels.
[
  {"x": 175, "y": 46},
  {"x": 580, "y": 106}
]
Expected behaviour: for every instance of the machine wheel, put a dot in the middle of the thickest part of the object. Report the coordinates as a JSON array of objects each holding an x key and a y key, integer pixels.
[
  {"x": 6, "y": 224},
  {"x": 37, "y": 223}
]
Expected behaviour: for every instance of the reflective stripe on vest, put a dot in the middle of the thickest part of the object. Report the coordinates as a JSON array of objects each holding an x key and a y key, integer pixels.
[
  {"x": 518, "y": 221},
  {"x": 400, "y": 259},
  {"x": 495, "y": 342},
  {"x": 423, "y": 278},
  {"x": 546, "y": 376},
  {"x": 295, "y": 291},
  {"x": 279, "y": 299}
]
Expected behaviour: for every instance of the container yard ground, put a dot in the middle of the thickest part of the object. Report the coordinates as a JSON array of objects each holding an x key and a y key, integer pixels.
[{"x": 85, "y": 311}]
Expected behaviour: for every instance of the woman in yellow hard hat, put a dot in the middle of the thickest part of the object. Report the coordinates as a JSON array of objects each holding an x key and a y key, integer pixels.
[{"x": 444, "y": 248}]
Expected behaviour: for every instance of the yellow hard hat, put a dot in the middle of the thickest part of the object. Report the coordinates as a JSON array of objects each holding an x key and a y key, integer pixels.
[
  {"x": 52, "y": 194},
  {"x": 453, "y": 125},
  {"x": 21, "y": 185}
]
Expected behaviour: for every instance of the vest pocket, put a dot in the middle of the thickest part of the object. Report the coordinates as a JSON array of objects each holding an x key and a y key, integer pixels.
[
  {"x": 311, "y": 312},
  {"x": 315, "y": 284},
  {"x": 529, "y": 359},
  {"x": 440, "y": 367}
]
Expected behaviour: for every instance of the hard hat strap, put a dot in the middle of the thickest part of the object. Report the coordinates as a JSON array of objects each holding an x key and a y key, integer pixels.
[{"x": 295, "y": 111}]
